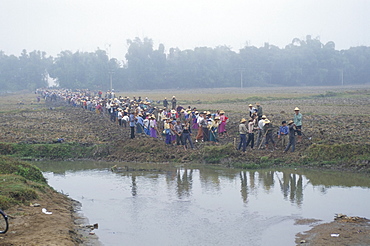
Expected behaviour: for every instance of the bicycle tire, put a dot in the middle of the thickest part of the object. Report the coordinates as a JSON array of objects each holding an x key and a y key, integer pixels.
[{"x": 4, "y": 224}]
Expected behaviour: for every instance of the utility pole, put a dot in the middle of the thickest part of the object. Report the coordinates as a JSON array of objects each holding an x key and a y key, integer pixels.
[
  {"x": 241, "y": 70},
  {"x": 110, "y": 72},
  {"x": 110, "y": 78},
  {"x": 342, "y": 78},
  {"x": 241, "y": 79}
]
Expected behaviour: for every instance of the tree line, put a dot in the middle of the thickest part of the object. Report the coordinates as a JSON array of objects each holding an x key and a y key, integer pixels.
[{"x": 301, "y": 63}]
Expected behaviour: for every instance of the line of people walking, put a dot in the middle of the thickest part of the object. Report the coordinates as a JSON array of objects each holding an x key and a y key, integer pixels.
[{"x": 180, "y": 126}]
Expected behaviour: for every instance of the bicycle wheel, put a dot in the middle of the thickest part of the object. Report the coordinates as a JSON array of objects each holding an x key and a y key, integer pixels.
[{"x": 3, "y": 222}]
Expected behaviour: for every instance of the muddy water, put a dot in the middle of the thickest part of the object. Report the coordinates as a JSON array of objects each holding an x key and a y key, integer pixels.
[{"x": 169, "y": 205}]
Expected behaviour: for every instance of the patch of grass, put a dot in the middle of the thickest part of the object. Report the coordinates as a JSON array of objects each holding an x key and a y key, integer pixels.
[
  {"x": 328, "y": 94},
  {"x": 20, "y": 182},
  {"x": 246, "y": 165},
  {"x": 253, "y": 165},
  {"x": 52, "y": 151},
  {"x": 293, "y": 164},
  {"x": 6, "y": 202},
  {"x": 338, "y": 152},
  {"x": 264, "y": 159},
  {"x": 215, "y": 154},
  {"x": 23, "y": 169},
  {"x": 16, "y": 190}
]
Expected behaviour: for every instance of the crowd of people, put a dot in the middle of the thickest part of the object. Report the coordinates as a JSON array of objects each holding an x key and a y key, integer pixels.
[
  {"x": 178, "y": 125},
  {"x": 265, "y": 130}
]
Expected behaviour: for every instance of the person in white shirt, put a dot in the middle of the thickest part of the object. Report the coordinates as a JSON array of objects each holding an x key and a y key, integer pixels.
[
  {"x": 146, "y": 125},
  {"x": 250, "y": 132},
  {"x": 125, "y": 119},
  {"x": 260, "y": 129}
]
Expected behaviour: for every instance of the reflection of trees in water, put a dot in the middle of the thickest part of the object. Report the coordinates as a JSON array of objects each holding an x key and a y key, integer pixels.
[{"x": 184, "y": 182}]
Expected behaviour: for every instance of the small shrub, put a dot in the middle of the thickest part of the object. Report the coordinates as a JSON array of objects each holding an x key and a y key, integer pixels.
[
  {"x": 23, "y": 169},
  {"x": 6, "y": 202}
]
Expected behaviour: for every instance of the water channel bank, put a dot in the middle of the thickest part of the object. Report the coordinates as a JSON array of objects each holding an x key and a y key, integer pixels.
[
  {"x": 38, "y": 215},
  {"x": 266, "y": 205}
]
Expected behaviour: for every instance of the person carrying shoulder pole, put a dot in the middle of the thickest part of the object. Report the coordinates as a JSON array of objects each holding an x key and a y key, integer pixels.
[
  {"x": 259, "y": 111},
  {"x": 291, "y": 137},
  {"x": 260, "y": 133},
  {"x": 132, "y": 124},
  {"x": 298, "y": 124},
  {"x": 187, "y": 135},
  {"x": 205, "y": 124},
  {"x": 167, "y": 130},
  {"x": 213, "y": 130},
  {"x": 250, "y": 132},
  {"x": 268, "y": 129},
  {"x": 178, "y": 131},
  {"x": 200, "y": 122}
]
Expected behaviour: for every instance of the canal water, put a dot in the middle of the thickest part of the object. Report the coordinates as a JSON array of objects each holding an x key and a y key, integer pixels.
[{"x": 160, "y": 204}]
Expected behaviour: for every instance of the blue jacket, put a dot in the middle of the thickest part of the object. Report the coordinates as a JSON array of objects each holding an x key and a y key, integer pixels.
[{"x": 284, "y": 130}]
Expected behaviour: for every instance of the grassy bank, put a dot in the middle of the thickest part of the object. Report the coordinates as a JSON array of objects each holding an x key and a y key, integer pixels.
[
  {"x": 53, "y": 151},
  {"x": 20, "y": 182},
  {"x": 346, "y": 156}
]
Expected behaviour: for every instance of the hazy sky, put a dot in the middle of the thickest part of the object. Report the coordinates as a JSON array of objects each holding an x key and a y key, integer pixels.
[{"x": 85, "y": 25}]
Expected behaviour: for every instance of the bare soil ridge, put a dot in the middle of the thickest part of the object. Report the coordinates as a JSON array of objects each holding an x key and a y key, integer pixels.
[{"x": 335, "y": 126}]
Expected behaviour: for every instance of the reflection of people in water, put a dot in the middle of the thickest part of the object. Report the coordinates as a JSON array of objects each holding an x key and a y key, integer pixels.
[
  {"x": 181, "y": 179},
  {"x": 299, "y": 191},
  {"x": 184, "y": 182},
  {"x": 133, "y": 186},
  {"x": 210, "y": 178},
  {"x": 296, "y": 189},
  {"x": 268, "y": 179},
  {"x": 292, "y": 187},
  {"x": 285, "y": 185},
  {"x": 252, "y": 180},
  {"x": 244, "y": 186}
]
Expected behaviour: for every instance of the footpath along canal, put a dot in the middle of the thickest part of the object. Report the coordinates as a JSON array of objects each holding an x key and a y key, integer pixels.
[{"x": 158, "y": 204}]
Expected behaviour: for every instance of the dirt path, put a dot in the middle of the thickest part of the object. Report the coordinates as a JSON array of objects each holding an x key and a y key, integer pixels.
[
  {"x": 28, "y": 225},
  {"x": 340, "y": 232}
]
